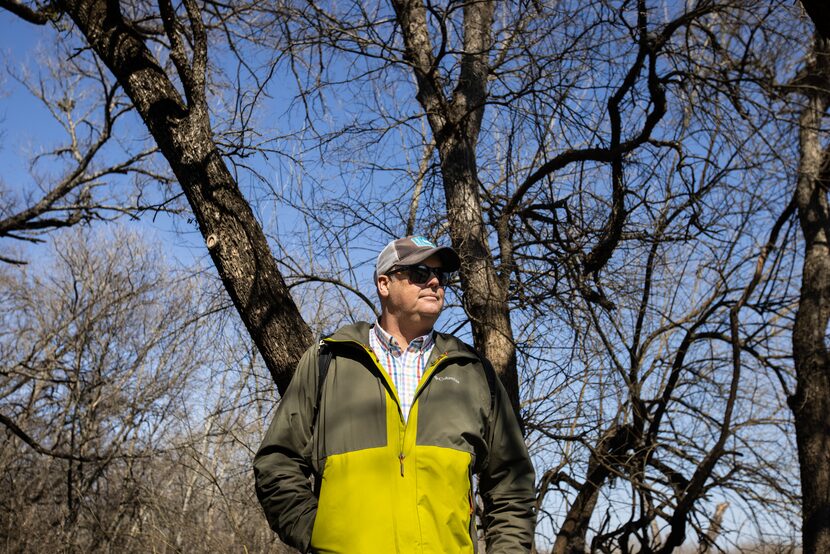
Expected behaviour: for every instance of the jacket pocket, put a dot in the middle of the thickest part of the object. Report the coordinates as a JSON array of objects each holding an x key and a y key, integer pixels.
[
  {"x": 355, "y": 511},
  {"x": 444, "y": 497}
]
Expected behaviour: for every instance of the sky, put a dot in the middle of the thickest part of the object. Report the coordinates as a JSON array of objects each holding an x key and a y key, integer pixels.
[{"x": 22, "y": 119}]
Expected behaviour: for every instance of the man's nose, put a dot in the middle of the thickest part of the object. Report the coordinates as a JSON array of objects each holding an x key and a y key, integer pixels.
[{"x": 433, "y": 281}]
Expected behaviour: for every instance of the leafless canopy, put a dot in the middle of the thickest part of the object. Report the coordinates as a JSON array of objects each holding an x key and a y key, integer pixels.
[{"x": 622, "y": 180}]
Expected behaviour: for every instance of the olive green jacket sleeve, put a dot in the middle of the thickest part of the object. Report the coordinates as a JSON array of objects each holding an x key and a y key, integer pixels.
[
  {"x": 281, "y": 469},
  {"x": 506, "y": 483}
]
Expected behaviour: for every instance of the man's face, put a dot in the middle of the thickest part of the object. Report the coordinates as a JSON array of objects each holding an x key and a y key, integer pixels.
[{"x": 414, "y": 302}]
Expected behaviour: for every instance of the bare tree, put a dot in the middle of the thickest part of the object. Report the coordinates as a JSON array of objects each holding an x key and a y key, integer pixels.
[
  {"x": 99, "y": 351},
  {"x": 80, "y": 179},
  {"x": 811, "y": 400}
]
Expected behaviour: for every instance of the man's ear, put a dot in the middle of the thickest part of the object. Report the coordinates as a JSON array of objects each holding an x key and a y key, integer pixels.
[{"x": 383, "y": 286}]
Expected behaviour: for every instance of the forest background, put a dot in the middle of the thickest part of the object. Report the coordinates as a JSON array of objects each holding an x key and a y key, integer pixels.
[{"x": 191, "y": 192}]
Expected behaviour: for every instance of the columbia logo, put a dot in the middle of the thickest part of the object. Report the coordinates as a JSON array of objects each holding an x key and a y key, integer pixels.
[{"x": 456, "y": 381}]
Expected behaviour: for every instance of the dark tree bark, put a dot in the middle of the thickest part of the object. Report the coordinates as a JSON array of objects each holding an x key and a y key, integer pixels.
[
  {"x": 181, "y": 128},
  {"x": 819, "y": 12},
  {"x": 811, "y": 401}
]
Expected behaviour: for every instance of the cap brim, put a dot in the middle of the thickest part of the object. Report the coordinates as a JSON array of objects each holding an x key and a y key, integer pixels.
[{"x": 449, "y": 259}]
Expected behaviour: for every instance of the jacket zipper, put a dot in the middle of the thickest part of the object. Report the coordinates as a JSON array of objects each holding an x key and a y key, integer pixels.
[
  {"x": 374, "y": 358},
  {"x": 430, "y": 371}
]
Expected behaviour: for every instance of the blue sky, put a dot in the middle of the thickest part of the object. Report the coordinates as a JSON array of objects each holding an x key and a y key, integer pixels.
[{"x": 22, "y": 119}]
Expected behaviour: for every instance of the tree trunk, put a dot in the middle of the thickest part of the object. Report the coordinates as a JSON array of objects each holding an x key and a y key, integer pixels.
[
  {"x": 811, "y": 401},
  {"x": 604, "y": 461},
  {"x": 182, "y": 131},
  {"x": 485, "y": 292}
]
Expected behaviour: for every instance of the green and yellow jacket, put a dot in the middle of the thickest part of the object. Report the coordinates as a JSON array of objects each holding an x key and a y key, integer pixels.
[{"x": 386, "y": 484}]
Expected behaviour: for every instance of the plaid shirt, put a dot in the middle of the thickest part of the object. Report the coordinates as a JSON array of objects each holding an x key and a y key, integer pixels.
[{"x": 404, "y": 366}]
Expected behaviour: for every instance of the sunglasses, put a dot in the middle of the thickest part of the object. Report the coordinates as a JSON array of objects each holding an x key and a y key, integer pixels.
[{"x": 421, "y": 274}]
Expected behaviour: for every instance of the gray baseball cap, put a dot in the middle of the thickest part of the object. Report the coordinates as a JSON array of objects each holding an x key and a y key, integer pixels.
[{"x": 413, "y": 250}]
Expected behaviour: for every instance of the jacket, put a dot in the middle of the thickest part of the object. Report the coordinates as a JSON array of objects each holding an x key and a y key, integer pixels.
[{"x": 384, "y": 484}]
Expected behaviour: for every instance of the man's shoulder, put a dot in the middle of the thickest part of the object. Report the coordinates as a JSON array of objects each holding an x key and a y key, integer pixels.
[
  {"x": 453, "y": 345},
  {"x": 458, "y": 349},
  {"x": 327, "y": 345},
  {"x": 358, "y": 332}
]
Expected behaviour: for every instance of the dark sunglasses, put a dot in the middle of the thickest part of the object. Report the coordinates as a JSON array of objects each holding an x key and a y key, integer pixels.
[{"x": 421, "y": 274}]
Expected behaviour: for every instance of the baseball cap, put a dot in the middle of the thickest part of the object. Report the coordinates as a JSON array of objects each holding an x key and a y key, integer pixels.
[{"x": 412, "y": 250}]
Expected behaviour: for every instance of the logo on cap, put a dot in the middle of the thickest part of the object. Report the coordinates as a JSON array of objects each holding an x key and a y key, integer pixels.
[{"x": 422, "y": 241}]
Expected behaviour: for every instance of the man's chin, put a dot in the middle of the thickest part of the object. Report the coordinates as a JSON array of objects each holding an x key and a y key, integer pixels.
[
  {"x": 430, "y": 314},
  {"x": 432, "y": 307}
]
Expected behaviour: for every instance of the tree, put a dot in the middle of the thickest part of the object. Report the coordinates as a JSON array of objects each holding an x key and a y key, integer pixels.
[
  {"x": 811, "y": 399},
  {"x": 462, "y": 64},
  {"x": 99, "y": 351},
  {"x": 73, "y": 182}
]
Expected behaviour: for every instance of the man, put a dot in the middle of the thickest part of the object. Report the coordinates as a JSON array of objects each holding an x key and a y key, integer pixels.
[{"x": 405, "y": 418}]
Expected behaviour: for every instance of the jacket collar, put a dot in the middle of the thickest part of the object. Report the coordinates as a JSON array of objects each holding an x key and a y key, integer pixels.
[{"x": 445, "y": 344}]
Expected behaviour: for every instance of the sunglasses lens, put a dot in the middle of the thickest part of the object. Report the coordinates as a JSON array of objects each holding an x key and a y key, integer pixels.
[{"x": 421, "y": 274}]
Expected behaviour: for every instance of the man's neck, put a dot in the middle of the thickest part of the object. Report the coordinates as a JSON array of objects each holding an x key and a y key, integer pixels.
[{"x": 401, "y": 333}]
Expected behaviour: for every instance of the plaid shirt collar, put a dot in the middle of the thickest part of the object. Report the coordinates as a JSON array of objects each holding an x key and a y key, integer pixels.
[{"x": 390, "y": 344}]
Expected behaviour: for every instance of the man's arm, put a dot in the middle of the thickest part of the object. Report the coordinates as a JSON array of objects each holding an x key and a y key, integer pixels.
[
  {"x": 282, "y": 464},
  {"x": 507, "y": 484}
]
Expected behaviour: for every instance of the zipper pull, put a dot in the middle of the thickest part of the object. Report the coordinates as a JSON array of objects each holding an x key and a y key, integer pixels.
[{"x": 401, "y": 458}]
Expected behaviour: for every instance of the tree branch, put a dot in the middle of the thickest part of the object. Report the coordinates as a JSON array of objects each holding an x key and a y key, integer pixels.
[
  {"x": 22, "y": 435},
  {"x": 38, "y": 17}
]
